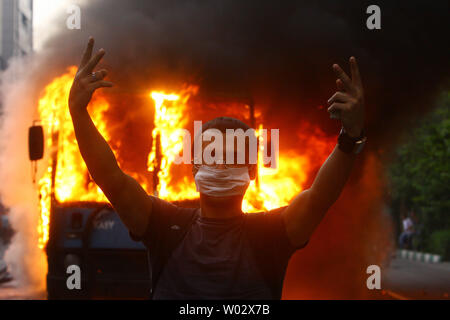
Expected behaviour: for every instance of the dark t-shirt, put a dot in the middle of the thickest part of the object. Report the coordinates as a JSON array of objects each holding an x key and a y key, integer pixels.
[{"x": 194, "y": 257}]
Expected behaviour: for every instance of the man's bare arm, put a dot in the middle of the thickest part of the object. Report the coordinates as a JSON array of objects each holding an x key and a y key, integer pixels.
[
  {"x": 128, "y": 198},
  {"x": 306, "y": 210}
]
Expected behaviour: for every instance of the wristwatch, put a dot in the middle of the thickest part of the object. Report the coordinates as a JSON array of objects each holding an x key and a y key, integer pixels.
[{"x": 349, "y": 144}]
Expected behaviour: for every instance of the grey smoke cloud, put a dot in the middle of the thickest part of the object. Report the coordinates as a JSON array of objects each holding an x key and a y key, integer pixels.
[{"x": 278, "y": 52}]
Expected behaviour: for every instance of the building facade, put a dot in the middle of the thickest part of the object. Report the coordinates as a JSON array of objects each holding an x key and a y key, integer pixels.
[{"x": 16, "y": 29}]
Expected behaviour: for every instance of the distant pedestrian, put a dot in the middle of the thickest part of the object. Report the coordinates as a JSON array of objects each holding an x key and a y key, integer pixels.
[{"x": 406, "y": 236}]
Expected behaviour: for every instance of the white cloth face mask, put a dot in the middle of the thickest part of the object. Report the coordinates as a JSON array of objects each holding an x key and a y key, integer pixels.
[{"x": 222, "y": 182}]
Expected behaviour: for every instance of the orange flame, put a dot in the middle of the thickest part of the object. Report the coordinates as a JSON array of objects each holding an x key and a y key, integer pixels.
[
  {"x": 66, "y": 178},
  {"x": 170, "y": 116},
  {"x": 65, "y": 165},
  {"x": 276, "y": 188}
]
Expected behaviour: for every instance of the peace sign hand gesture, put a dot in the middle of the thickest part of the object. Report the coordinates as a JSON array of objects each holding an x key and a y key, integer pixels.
[
  {"x": 86, "y": 81},
  {"x": 347, "y": 103}
]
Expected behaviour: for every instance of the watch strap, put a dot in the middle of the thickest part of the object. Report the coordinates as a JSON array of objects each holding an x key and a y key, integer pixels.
[{"x": 349, "y": 144}]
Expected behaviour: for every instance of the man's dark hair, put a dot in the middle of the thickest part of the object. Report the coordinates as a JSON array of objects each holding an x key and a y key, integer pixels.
[{"x": 222, "y": 124}]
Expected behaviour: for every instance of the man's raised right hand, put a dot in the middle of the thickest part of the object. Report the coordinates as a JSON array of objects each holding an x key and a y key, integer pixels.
[{"x": 86, "y": 81}]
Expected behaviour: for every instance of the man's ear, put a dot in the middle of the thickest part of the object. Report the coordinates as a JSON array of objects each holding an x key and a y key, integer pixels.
[{"x": 252, "y": 171}]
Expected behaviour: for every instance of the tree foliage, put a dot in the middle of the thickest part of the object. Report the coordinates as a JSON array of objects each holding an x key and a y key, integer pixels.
[{"x": 420, "y": 174}]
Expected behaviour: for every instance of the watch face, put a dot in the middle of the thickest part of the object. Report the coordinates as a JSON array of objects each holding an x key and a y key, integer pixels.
[{"x": 359, "y": 146}]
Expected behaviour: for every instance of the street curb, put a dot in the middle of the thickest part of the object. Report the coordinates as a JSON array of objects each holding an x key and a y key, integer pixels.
[{"x": 419, "y": 256}]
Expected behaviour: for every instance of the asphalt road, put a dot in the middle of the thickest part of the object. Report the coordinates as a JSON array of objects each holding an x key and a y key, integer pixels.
[{"x": 405, "y": 279}]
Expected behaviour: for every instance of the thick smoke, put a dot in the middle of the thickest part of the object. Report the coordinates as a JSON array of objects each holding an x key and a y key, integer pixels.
[
  {"x": 280, "y": 54},
  {"x": 26, "y": 262}
]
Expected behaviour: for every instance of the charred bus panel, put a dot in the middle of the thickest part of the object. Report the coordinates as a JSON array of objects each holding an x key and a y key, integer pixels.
[{"x": 91, "y": 236}]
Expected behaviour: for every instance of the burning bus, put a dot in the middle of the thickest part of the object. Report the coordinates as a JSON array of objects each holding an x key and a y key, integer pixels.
[{"x": 77, "y": 224}]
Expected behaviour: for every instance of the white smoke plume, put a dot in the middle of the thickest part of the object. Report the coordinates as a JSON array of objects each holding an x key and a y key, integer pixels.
[{"x": 26, "y": 262}]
